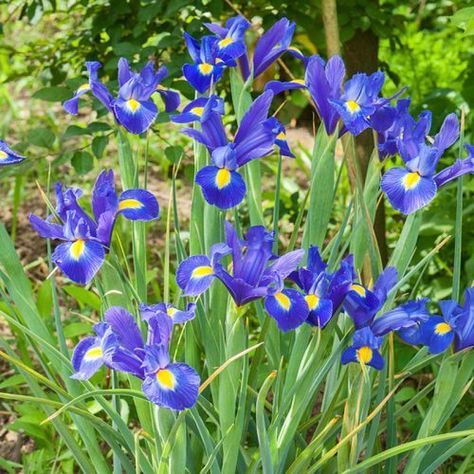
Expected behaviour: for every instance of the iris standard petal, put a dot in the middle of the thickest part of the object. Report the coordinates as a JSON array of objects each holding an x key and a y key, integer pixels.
[
  {"x": 194, "y": 275},
  {"x": 124, "y": 327},
  {"x": 138, "y": 205},
  {"x": 104, "y": 196},
  {"x": 385, "y": 282},
  {"x": 407, "y": 191},
  {"x": 79, "y": 260},
  {"x": 170, "y": 98},
  {"x": 175, "y": 386},
  {"x": 87, "y": 358},
  {"x": 448, "y": 133},
  {"x": 135, "y": 116},
  {"x": 126, "y": 361},
  {"x": 221, "y": 187},
  {"x": 288, "y": 308}
]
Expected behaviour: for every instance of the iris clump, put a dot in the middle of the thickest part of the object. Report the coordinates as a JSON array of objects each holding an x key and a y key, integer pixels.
[{"x": 86, "y": 239}]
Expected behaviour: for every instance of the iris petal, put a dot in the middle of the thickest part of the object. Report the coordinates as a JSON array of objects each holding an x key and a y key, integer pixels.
[
  {"x": 175, "y": 386},
  {"x": 138, "y": 205},
  {"x": 135, "y": 118},
  {"x": 221, "y": 187},
  {"x": 87, "y": 358},
  {"x": 79, "y": 261},
  {"x": 288, "y": 308},
  {"x": 404, "y": 194},
  {"x": 194, "y": 275}
]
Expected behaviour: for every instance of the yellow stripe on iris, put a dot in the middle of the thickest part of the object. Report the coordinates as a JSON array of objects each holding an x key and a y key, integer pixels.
[
  {"x": 411, "y": 180},
  {"x": 364, "y": 354},
  {"x": 130, "y": 204},
  {"x": 352, "y": 106},
  {"x": 202, "y": 271},
  {"x": 281, "y": 136},
  {"x": 206, "y": 68},
  {"x": 442, "y": 328},
  {"x": 93, "y": 354},
  {"x": 166, "y": 379},
  {"x": 298, "y": 81},
  {"x": 223, "y": 177},
  {"x": 283, "y": 300},
  {"x": 197, "y": 111},
  {"x": 83, "y": 87},
  {"x": 171, "y": 312},
  {"x": 312, "y": 301},
  {"x": 133, "y": 105},
  {"x": 77, "y": 249},
  {"x": 3, "y": 155},
  {"x": 225, "y": 42},
  {"x": 359, "y": 289}
]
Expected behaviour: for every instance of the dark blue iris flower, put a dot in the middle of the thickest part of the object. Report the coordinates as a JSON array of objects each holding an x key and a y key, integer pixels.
[
  {"x": 365, "y": 349},
  {"x": 395, "y": 125},
  {"x": 177, "y": 316},
  {"x": 133, "y": 108},
  {"x": 406, "y": 319},
  {"x": 221, "y": 183},
  {"x": 9, "y": 156},
  {"x": 119, "y": 345},
  {"x": 456, "y": 323},
  {"x": 256, "y": 273},
  {"x": 85, "y": 239},
  {"x": 324, "y": 292},
  {"x": 231, "y": 42},
  {"x": 414, "y": 186},
  {"x": 362, "y": 304}
]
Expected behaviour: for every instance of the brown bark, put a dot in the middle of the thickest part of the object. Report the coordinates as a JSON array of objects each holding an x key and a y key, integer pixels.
[{"x": 331, "y": 29}]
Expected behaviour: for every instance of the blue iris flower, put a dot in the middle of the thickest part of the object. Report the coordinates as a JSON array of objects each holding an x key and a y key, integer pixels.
[
  {"x": 221, "y": 183},
  {"x": 133, "y": 108},
  {"x": 9, "y": 156},
  {"x": 324, "y": 292},
  {"x": 208, "y": 65},
  {"x": 414, "y": 186},
  {"x": 231, "y": 42},
  {"x": 362, "y": 304},
  {"x": 395, "y": 125},
  {"x": 256, "y": 273},
  {"x": 365, "y": 349},
  {"x": 119, "y": 345},
  {"x": 86, "y": 239},
  {"x": 356, "y": 102},
  {"x": 406, "y": 319},
  {"x": 456, "y": 323}
]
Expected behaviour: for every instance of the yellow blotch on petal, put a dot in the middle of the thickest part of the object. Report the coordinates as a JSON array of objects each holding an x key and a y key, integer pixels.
[
  {"x": 283, "y": 300},
  {"x": 352, "y": 106},
  {"x": 225, "y": 42},
  {"x": 364, "y": 354},
  {"x": 442, "y": 328},
  {"x": 359, "y": 289},
  {"x": 281, "y": 136},
  {"x": 312, "y": 301},
  {"x": 166, "y": 379},
  {"x": 3, "y": 155},
  {"x": 93, "y": 354},
  {"x": 205, "y": 68},
  {"x": 197, "y": 111},
  {"x": 77, "y": 249},
  {"x": 223, "y": 177},
  {"x": 410, "y": 180},
  {"x": 203, "y": 271},
  {"x": 171, "y": 312},
  {"x": 133, "y": 104},
  {"x": 83, "y": 87},
  {"x": 298, "y": 81},
  {"x": 130, "y": 204}
]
